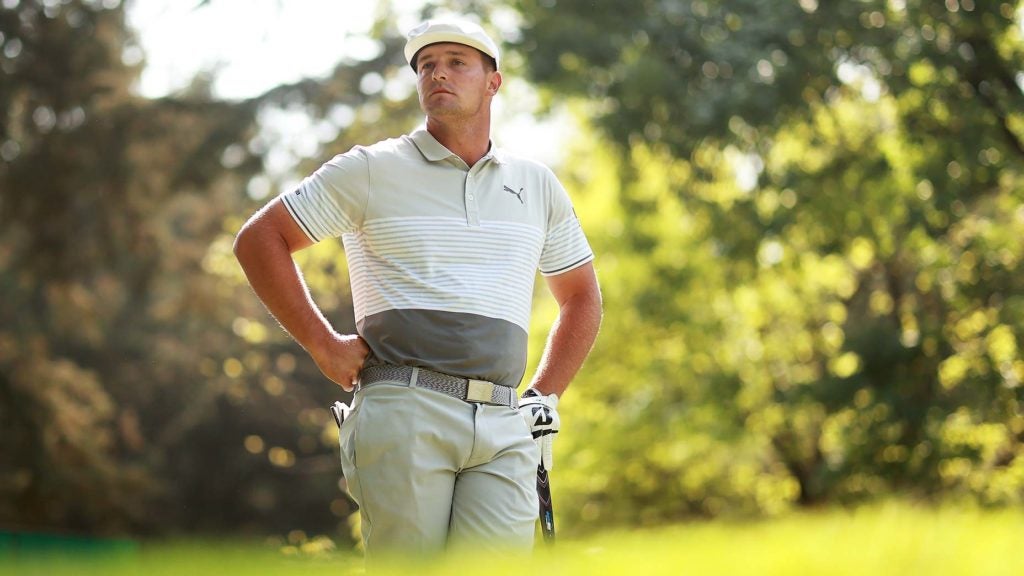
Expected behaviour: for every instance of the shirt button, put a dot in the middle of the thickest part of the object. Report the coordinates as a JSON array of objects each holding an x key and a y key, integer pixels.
[{"x": 470, "y": 196}]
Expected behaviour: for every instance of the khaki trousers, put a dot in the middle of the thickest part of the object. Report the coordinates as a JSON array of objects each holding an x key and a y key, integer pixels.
[{"x": 431, "y": 472}]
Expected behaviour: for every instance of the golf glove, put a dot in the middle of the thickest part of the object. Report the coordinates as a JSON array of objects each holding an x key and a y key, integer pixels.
[{"x": 542, "y": 419}]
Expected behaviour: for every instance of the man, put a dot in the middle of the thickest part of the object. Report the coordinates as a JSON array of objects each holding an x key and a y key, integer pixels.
[{"x": 443, "y": 235}]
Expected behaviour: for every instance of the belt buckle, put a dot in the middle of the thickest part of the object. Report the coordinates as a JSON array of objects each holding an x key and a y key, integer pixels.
[{"x": 480, "y": 391}]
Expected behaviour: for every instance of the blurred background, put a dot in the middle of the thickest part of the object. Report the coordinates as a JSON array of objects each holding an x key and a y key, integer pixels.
[{"x": 808, "y": 219}]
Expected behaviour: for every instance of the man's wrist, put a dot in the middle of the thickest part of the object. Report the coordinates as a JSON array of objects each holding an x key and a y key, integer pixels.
[
  {"x": 320, "y": 343},
  {"x": 531, "y": 393},
  {"x": 534, "y": 392}
]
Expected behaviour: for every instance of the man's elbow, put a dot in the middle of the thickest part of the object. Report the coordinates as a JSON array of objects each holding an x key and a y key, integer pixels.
[
  {"x": 587, "y": 298},
  {"x": 598, "y": 305},
  {"x": 246, "y": 241},
  {"x": 595, "y": 295},
  {"x": 241, "y": 242},
  {"x": 591, "y": 303}
]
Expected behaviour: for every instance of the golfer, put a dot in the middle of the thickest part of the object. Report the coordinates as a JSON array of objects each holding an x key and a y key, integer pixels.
[{"x": 444, "y": 234}]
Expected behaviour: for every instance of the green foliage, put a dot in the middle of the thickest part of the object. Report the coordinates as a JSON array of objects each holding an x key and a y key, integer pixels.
[
  {"x": 679, "y": 72},
  {"x": 142, "y": 386},
  {"x": 807, "y": 222}
]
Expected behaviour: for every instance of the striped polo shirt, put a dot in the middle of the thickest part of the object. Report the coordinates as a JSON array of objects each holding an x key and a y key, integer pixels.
[{"x": 442, "y": 257}]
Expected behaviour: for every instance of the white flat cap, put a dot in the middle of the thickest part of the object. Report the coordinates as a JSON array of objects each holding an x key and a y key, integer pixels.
[{"x": 448, "y": 30}]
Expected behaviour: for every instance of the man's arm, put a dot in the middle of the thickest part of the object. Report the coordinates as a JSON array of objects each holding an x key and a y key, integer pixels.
[
  {"x": 573, "y": 333},
  {"x": 264, "y": 248}
]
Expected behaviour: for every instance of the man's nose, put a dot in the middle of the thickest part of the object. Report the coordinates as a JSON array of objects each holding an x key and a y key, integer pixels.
[{"x": 439, "y": 73}]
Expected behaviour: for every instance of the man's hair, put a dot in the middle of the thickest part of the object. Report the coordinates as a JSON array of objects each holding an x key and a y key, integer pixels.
[{"x": 489, "y": 63}]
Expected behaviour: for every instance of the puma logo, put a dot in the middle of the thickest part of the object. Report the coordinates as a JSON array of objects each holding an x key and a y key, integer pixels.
[{"x": 517, "y": 194}]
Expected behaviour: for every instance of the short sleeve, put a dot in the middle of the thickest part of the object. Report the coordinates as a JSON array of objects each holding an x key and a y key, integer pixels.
[
  {"x": 565, "y": 245},
  {"x": 331, "y": 201}
]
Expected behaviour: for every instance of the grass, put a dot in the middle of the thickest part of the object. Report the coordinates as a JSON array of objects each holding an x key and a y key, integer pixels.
[{"x": 895, "y": 538}]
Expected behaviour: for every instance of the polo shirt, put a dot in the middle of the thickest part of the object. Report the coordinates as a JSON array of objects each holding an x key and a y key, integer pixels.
[{"x": 442, "y": 257}]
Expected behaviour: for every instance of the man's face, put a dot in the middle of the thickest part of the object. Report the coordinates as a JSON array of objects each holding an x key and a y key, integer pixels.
[{"x": 452, "y": 80}]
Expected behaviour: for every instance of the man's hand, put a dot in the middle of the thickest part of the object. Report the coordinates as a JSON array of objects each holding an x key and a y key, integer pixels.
[
  {"x": 542, "y": 418},
  {"x": 340, "y": 358}
]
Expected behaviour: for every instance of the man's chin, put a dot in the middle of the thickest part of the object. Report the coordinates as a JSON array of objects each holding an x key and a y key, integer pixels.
[{"x": 442, "y": 111}]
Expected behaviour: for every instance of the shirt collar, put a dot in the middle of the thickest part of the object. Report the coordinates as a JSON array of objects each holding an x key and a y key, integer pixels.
[{"x": 434, "y": 151}]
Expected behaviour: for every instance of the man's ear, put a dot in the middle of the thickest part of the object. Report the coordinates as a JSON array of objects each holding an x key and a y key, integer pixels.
[{"x": 494, "y": 83}]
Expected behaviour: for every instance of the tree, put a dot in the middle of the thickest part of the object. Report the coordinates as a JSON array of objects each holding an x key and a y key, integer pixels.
[
  {"x": 818, "y": 204},
  {"x": 142, "y": 387}
]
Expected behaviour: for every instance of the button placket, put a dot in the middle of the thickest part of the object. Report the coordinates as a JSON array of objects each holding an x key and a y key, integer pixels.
[{"x": 472, "y": 208}]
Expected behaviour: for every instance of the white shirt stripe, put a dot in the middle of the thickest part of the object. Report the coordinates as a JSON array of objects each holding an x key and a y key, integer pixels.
[{"x": 441, "y": 264}]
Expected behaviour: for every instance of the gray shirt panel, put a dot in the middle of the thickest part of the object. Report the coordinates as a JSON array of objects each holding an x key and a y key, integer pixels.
[{"x": 463, "y": 345}]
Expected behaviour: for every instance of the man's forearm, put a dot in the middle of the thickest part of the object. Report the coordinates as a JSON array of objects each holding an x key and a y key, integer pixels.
[
  {"x": 273, "y": 275},
  {"x": 570, "y": 340}
]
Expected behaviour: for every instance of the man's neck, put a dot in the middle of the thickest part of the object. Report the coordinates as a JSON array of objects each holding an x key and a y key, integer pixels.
[{"x": 469, "y": 141}]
